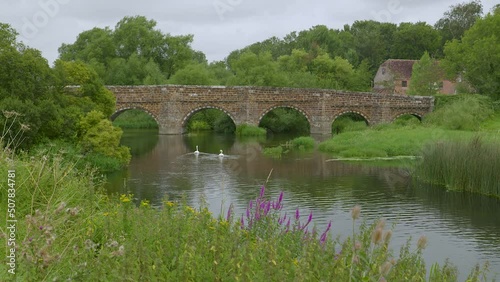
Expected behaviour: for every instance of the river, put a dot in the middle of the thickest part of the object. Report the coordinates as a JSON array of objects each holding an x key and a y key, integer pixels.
[{"x": 462, "y": 227}]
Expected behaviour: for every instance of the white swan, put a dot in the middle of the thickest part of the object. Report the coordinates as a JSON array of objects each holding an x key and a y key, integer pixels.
[
  {"x": 221, "y": 154},
  {"x": 196, "y": 152}
]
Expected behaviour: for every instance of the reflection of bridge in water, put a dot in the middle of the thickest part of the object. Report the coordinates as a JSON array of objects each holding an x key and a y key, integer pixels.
[{"x": 172, "y": 105}]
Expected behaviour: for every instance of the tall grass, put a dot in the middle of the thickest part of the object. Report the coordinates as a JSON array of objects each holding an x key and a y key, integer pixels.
[{"x": 471, "y": 166}]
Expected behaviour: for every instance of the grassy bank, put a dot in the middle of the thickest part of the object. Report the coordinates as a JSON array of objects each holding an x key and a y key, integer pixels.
[
  {"x": 68, "y": 230},
  {"x": 389, "y": 141}
]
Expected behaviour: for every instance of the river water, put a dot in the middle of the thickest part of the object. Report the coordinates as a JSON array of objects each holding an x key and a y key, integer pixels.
[{"x": 462, "y": 227}]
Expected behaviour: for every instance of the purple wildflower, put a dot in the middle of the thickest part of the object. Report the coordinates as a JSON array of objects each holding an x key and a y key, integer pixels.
[
  {"x": 267, "y": 208},
  {"x": 280, "y": 198},
  {"x": 262, "y": 190},
  {"x": 323, "y": 236},
  {"x": 309, "y": 219},
  {"x": 297, "y": 214}
]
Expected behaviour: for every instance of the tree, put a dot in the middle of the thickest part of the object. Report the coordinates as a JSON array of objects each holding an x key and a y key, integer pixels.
[
  {"x": 195, "y": 74},
  {"x": 135, "y": 52},
  {"x": 257, "y": 70},
  {"x": 372, "y": 41},
  {"x": 220, "y": 72},
  {"x": 90, "y": 93},
  {"x": 425, "y": 77},
  {"x": 458, "y": 19},
  {"x": 332, "y": 73},
  {"x": 411, "y": 40},
  {"x": 476, "y": 57}
]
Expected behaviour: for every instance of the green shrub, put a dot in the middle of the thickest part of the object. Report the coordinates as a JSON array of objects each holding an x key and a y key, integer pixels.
[
  {"x": 199, "y": 125},
  {"x": 250, "y": 130},
  {"x": 99, "y": 136},
  {"x": 303, "y": 143},
  {"x": 464, "y": 112},
  {"x": 273, "y": 152}
]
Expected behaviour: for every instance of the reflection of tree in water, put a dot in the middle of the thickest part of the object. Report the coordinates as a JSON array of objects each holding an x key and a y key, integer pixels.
[{"x": 136, "y": 141}]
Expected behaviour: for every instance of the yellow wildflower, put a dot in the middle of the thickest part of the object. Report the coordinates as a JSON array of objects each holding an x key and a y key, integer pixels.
[
  {"x": 145, "y": 203},
  {"x": 190, "y": 209},
  {"x": 125, "y": 198}
]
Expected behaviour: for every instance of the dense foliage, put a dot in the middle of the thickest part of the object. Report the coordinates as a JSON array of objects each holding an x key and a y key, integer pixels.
[
  {"x": 41, "y": 104},
  {"x": 134, "y": 53},
  {"x": 475, "y": 57}
]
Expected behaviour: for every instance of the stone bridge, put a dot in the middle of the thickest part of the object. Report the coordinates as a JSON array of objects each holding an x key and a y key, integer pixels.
[{"x": 172, "y": 105}]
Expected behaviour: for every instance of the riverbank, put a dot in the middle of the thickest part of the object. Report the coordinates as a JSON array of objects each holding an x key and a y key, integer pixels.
[
  {"x": 456, "y": 145},
  {"x": 68, "y": 229}
]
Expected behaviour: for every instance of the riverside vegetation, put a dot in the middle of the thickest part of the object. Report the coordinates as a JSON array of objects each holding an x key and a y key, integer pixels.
[
  {"x": 69, "y": 229},
  {"x": 456, "y": 146}
]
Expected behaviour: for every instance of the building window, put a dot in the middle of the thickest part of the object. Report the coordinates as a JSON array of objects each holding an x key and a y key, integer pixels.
[{"x": 404, "y": 83}]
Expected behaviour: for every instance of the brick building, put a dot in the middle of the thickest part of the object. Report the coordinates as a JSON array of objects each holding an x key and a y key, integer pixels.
[{"x": 394, "y": 77}]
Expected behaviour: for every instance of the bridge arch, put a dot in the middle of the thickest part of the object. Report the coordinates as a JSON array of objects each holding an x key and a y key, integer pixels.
[
  {"x": 417, "y": 115},
  {"x": 367, "y": 120},
  {"x": 200, "y": 108},
  {"x": 124, "y": 109},
  {"x": 304, "y": 113}
]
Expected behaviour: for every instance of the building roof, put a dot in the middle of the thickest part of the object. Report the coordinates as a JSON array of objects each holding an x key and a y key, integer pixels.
[{"x": 401, "y": 69}]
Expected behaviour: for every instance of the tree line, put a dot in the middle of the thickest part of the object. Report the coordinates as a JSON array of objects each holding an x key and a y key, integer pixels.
[{"x": 135, "y": 52}]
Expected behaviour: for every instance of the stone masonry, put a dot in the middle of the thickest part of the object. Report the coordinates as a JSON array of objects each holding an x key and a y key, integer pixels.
[{"x": 172, "y": 105}]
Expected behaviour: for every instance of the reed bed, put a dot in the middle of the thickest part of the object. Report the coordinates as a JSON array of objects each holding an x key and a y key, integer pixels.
[{"x": 471, "y": 166}]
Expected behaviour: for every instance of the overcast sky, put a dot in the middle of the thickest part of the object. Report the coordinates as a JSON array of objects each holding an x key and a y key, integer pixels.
[{"x": 218, "y": 26}]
